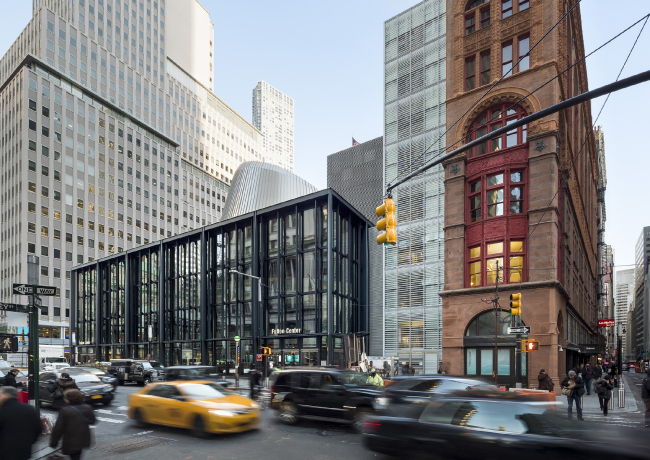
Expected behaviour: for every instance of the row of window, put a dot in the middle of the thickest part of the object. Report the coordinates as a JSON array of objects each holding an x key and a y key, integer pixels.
[
  {"x": 508, "y": 8},
  {"x": 500, "y": 196},
  {"x": 489, "y": 259},
  {"x": 519, "y": 47}
]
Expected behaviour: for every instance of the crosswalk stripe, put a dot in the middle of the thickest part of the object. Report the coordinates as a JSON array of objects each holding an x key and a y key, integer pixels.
[
  {"x": 109, "y": 412},
  {"x": 110, "y": 420}
]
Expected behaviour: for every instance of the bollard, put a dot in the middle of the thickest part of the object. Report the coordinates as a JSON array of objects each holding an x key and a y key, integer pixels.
[
  {"x": 610, "y": 404},
  {"x": 621, "y": 395}
]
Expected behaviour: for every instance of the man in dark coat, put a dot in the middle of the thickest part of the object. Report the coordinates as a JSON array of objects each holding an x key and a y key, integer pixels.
[
  {"x": 588, "y": 375},
  {"x": 604, "y": 391},
  {"x": 255, "y": 380},
  {"x": 73, "y": 425},
  {"x": 576, "y": 387},
  {"x": 545, "y": 382},
  {"x": 598, "y": 372},
  {"x": 59, "y": 389},
  {"x": 10, "y": 378},
  {"x": 19, "y": 426}
]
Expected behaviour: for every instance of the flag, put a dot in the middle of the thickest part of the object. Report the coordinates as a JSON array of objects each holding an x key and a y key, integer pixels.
[{"x": 354, "y": 142}]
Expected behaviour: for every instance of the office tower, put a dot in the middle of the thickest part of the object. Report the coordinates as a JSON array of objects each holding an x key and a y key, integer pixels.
[
  {"x": 414, "y": 119},
  {"x": 107, "y": 142},
  {"x": 642, "y": 293},
  {"x": 273, "y": 117},
  {"x": 624, "y": 298}
]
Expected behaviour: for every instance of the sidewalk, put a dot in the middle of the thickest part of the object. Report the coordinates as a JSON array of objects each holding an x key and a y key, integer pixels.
[{"x": 590, "y": 404}]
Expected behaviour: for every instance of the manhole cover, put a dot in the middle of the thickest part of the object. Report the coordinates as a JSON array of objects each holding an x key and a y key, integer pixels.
[{"x": 132, "y": 444}]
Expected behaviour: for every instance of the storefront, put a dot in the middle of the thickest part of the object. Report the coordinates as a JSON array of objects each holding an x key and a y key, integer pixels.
[{"x": 292, "y": 277}]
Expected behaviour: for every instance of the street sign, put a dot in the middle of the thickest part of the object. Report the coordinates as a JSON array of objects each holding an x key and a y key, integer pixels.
[
  {"x": 8, "y": 343},
  {"x": 606, "y": 323},
  {"x": 38, "y": 302},
  {"x": 28, "y": 289},
  {"x": 259, "y": 357},
  {"x": 519, "y": 330},
  {"x": 14, "y": 307}
]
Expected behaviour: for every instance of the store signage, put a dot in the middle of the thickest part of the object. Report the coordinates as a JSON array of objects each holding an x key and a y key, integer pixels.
[
  {"x": 285, "y": 331},
  {"x": 606, "y": 323}
]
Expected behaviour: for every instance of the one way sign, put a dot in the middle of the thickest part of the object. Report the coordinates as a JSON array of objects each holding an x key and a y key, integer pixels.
[{"x": 28, "y": 289}]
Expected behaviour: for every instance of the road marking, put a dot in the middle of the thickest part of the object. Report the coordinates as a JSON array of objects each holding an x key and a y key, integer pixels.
[
  {"x": 110, "y": 420},
  {"x": 104, "y": 411},
  {"x": 144, "y": 432},
  {"x": 122, "y": 408}
]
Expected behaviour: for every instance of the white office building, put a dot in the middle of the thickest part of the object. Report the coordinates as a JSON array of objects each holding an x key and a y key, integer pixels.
[
  {"x": 110, "y": 138},
  {"x": 273, "y": 116},
  {"x": 414, "y": 123},
  {"x": 623, "y": 300}
]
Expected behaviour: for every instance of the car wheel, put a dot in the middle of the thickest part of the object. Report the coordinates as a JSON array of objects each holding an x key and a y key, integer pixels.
[
  {"x": 359, "y": 416},
  {"x": 139, "y": 419},
  {"x": 198, "y": 429},
  {"x": 288, "y": 413},
  {"x": 147, "y": 381}
]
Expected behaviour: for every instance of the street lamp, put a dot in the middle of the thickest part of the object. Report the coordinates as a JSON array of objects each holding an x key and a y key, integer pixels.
[{"x": 237, "y": 339}]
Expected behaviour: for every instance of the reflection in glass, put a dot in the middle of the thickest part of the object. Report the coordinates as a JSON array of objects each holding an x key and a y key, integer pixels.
[
  {"x": 470, "y": 361},
  {"x": 495, "y": 248},
  {"x": 308, "y": 229},
  {"x": 497, "y": 179},
  {"x": 290, "y": 235},
  {"x": 309, "y": 271},
  {"x": 290, "y": 274},
  {"x": 273, "y": 237},
  {"x": 486, "y": 362},
  {"x": 503, "y": 362},
  {"x": 273, "y": 276},
  {"x": 516, "y": 176},
  {"x": 491, "y": 268},
  {"x": 495, "y": 143},
  {"x": 308, "y": 314},
  {"x": 475, "y": 273},
  {"x": 516, "y": 246},
  {"x": 475, "y": 252},
  {"x": 290, "y": 313},
  {"x": 323, "y": 222},
  {"x": 481, "y": 149},
  {"x": 516, "y": 269}
]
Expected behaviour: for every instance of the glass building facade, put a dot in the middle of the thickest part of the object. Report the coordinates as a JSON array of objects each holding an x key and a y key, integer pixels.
[
  {"x": 414, "y": 126},
  {"x": 185, "y": 299}
]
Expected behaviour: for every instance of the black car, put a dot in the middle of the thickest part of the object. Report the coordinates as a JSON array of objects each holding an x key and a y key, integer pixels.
[
  {"x": 103, "y": 376},
  {"x": 419, "y": 389},
  {"x": 323, "y": 394},
  {"x": 94, "y": 390},
  {"x": 496, "y": 426},
  {"x": 21, "y": 378},
  {"x": 140, "y": 371},
  {"x": 195, "y": 373}
]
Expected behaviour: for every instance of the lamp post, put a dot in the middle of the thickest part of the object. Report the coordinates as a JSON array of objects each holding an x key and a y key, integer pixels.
[
  {"x": 259, "y": 302},
  {"x": 237, "y": 339}
]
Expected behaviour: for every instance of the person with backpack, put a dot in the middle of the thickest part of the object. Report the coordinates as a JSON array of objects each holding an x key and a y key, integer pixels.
[
  {"x": 645, "y": 394},
  {"x": 603, "y": 389},
  {"x": 73, "y": 425}
]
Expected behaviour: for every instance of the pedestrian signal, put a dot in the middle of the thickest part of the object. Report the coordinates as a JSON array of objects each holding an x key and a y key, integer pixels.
[
  {"x": 266, "y": 351},
  {"x": 388, "y": 223},
  {"x": 515, "y": 304},
  {"x": 529, "y": 346}
]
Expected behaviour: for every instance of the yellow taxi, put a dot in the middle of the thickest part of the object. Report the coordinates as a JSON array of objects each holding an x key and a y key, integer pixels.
[{"x": 201, "y": 406}]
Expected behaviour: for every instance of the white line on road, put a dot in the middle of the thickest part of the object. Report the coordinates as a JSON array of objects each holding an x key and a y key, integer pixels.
[
  {"x": 144, "y": 432},
  {"x": 122, "y": 408},
  {"x": 109, "y": 412},
  {"x": 110, "y": 420}
]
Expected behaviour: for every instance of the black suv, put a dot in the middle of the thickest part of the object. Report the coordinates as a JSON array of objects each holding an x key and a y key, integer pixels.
[
  {"x": 323, "y": 394},
  {"x": 195, "y": 373},
  {"x": 135, "y": 370}
]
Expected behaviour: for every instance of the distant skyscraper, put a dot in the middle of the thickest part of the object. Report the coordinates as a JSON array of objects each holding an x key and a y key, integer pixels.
[
  {"x": 273, "y": 116},
  {"x": 624, "y": 298},
  {"x": 642, "y": 291}
]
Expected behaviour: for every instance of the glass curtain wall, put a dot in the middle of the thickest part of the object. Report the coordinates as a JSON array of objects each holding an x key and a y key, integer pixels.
[
  {"x": 145, "y": 301},
  {"x": 113, "y": 309},
  {"x": 86, "y": 301}
]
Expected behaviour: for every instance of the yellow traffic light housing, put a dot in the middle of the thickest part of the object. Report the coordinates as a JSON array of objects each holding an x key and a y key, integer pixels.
[
  {"x": 529, "y": 346},
  {"x": 515, "y": 304},
  {"x": 388, "y": 223},
  {"x": 266, "y": 351}
]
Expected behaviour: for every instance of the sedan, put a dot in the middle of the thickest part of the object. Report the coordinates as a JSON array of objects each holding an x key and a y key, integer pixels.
[
  {"x": 94, "y": 390},
  {"x": 195, "y": 373},
  {"x": 103, "y": 376},
  {"x": 21, "y": 378},
  {"x": 493, "y": 426},
  {"x": 199, "y": 405},
  {"x": 421, "y": 389}
]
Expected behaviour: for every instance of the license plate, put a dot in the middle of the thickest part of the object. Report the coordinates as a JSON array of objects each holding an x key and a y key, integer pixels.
[{"x": 96, "y": 397}]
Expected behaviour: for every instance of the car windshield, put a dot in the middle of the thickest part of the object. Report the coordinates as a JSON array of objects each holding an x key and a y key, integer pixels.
[
  {"x": 83, "y": 377},
  {"x": 203, "y": 372},
  {"x": 55, "y": 360},
  {"x": 156, "y": 365},
  {"x": 203, "y": 391},
  {"x": 354, "y": 379}
]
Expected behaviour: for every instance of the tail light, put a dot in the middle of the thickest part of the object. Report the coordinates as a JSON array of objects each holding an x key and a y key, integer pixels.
[{"x": 371, "y": 426}]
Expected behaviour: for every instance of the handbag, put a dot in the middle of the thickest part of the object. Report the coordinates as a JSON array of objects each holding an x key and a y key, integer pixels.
[
  {"x": 566, "y": 391},
  {"x": 58, "y": 393},
  {"x": 79, "y": 412}
]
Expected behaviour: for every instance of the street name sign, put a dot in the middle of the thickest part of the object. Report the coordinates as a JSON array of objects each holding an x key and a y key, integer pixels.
[
  {"x": 519, "y": 330},
  {"x": 14, "y": 307},
  {"x": 28, "y": 289}
]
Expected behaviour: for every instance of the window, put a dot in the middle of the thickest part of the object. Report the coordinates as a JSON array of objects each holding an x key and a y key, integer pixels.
[
  {"x": 523, "y": 46},
  {"x": 470, "y": 25},
  {"x": 493, "y": 119},
  {"x": 523, "y": 5},
  {"x": 475, "y": 201},
  {"x": 506, "y": 8},
  {"x": 516, "y": 193},
  {"x": 470, "y": 78},
  {"x": 475, "y": 266},
  {"x": 485, "y": 68},
  {"x": 494, "y": 195},
  {"x": 506, "y": 59},
  {"x": 485, "y": 17}
]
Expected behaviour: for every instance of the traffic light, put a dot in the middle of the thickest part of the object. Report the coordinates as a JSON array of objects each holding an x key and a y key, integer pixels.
[
  {"x": 529, "y": 346},
  {"x": 266, "y": 351},
  {"x": 515, "y": 304},
  {"x": 388, "y": 223}
]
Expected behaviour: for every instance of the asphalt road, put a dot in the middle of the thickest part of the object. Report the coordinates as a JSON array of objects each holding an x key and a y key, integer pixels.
[{"x": 116, "y": 437}]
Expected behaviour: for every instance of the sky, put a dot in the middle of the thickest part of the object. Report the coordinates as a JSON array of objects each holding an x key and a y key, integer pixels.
[{"x": 328, "y": 56}]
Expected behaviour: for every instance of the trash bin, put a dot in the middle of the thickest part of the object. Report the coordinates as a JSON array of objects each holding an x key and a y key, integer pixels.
[{"x": 23, "y": 397}]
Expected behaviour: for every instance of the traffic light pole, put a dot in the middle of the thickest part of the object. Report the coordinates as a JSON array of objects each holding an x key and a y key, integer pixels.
[
  {"x": 496, "y": 329},
  {"x": 33, "y": 366},
  {"x": 518, "y": 354}
]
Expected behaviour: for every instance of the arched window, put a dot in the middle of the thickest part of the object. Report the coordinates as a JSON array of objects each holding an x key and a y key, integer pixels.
[
  {"x": 483, "y": 324},
  {"x": 471, "y": 21},
  {"x": 492, "y": 119}
]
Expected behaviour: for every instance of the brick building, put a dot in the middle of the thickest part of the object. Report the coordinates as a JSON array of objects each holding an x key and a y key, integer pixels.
[{"x": 498, "y": 192}]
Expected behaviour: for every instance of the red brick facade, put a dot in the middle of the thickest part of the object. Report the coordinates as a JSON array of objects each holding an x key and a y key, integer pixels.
[{"x": 554, "y": 219}]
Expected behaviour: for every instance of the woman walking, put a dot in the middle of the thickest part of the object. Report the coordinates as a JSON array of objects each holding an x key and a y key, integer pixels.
[
  {"x": 60, "y": 388},
  {"x": 604, "y": 392},
  {"x": 73, "y": 425}
]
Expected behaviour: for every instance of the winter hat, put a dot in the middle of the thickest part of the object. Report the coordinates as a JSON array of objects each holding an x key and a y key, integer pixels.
[
  {"x": 588, "y": 365},
  {"x": 607, "y": 377},
  {"x": 572, "y": 374},
  {"x": 542, "y": 371}
]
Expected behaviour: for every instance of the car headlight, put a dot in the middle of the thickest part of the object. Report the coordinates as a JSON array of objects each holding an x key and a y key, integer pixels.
[
  {"x": 255, "y": 405},
  {"x": 382, "y": 401},
  {"x": 108, "y": 388},
  {"x": 222, "y": 413}
]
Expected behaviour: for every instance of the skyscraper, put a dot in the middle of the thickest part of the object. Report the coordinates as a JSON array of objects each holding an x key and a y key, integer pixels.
[
  {"x": 414, "y": 119},
  {"x": 642, "y": 292},
  {"x": 108, "y": 140},
  {"x": 624, "y": 298},
  {"x": 273, "y": 116}
]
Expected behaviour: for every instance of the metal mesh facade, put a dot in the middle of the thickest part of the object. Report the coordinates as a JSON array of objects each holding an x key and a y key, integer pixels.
[
  {"x": 357, "y": 175},
  {"x": 414, "y": 118}
]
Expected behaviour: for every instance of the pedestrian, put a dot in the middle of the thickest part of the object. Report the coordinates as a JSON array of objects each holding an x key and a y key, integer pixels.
[
  {"x": 588, "y": 375},
  {"x": 598, "y": 372},
  {"x": 60, "y": 387},
  {"x": 603, "y": 389},
  {"x": 374, "y": 378},
  {"x": 545, "y": 382},
  {"x": 73, "y": 425},
  {"x": 20, "y": 426},
  {"x": 255, "y": 380},
  {"x": 405, "y": 369},
  {"x": 581, "y": 369},
  {"x": 645, "y": 394},
  {"x": 10, "y": 379},
  {"x": 386, "y": 369},
  {"x": 615, "y": 375},
  {"x": 573, "y": 387}
]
